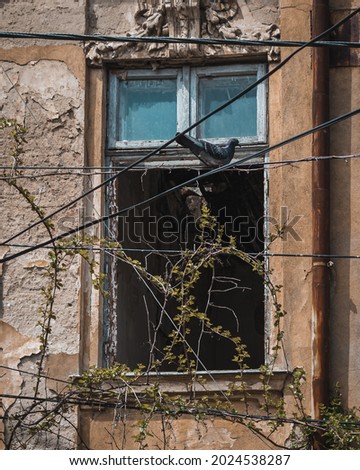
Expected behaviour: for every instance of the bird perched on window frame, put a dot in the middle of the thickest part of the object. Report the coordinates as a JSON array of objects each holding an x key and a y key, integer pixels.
[{"x": 210, "y": 154}]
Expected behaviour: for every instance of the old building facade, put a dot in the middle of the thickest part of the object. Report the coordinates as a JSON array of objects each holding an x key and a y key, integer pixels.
[{"x": 92, "y": 106}]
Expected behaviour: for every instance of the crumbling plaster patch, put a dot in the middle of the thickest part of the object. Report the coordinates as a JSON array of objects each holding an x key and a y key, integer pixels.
[
  {"x": 43, "y": 86},
  {"x": 22, "y": 299},
  {"x": 14, "y": 347},
  {"x": 72, "y": 55},
  {"x": 48, "y": 98}
]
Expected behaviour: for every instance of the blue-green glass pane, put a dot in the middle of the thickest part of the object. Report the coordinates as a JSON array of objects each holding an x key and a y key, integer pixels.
[
  {"x": 237, "y": 120},
  {"x": 147, "y": 109}
]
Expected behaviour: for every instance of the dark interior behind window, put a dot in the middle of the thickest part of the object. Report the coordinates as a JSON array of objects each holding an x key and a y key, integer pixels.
[{"x": 237, "y": 199}]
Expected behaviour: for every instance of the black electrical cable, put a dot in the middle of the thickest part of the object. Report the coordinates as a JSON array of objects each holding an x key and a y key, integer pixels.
[
  {"x": 33, "y": 374},
  {"x": 176, "y": 252},
  {"x": 169, "y": 40},
  {"x": 177, "y": 409},
  {"x": 179, "y": 186},
  {"x": 207, "y": 116},
  {"x": 108, "y": 169}
]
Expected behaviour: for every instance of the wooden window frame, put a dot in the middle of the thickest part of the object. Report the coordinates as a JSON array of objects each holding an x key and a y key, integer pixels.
[
  {"x": 187, "y": 102},
  {"x": 118, "y": 153}
]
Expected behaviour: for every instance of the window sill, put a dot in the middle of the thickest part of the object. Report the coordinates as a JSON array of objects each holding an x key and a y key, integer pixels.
[
  {"x": 172, "y": 158},
  {"x": 210, "y": 382},
  {"x": 215, "y": 381}
]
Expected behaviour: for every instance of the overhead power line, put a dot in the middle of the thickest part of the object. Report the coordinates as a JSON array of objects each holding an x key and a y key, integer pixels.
[
  {"x": 170, "y": 40},
  {"x": 34, "y": 374},
  {"x": 175, "y": 252},
  {"x": 179, "y": 186},
  {"x": 201, "y": 120},
  {"x": 179, "y": 409},
  {"x": 106, "y": 170}
]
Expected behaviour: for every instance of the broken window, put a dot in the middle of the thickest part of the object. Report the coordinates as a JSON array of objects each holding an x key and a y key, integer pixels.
[{"x": 229, "y": 292}]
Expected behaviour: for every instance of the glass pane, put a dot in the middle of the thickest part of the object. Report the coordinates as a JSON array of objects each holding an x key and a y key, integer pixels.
[
  {"x": 147, "y": 109},
  {"x": 237, "y": 120}
]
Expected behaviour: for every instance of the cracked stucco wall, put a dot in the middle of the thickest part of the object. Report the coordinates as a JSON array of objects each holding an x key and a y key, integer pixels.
[{"x": 47, "y": 96}]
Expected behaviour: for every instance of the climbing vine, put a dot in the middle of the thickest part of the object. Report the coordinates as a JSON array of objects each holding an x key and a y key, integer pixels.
[{"x": 124, "y": 389}]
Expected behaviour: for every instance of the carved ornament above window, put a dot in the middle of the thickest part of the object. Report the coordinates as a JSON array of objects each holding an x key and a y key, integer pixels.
[{"x": 215, "y": 19}]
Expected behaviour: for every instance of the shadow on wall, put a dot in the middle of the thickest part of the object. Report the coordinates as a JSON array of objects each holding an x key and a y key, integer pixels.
[{"x": 342, "y": 229}]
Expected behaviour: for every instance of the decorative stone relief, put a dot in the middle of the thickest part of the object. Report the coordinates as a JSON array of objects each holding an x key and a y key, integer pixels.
[
  {"x": 151, "y": 21},
  {"x": 235, "y": 19},
  {"x": 184, "y": 22},
  {"x": 221, "y": 19}
]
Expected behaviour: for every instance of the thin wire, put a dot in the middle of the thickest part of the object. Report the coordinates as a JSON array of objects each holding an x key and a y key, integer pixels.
[
  {"x": 247, "y": 168},
  {"x": 170, "y": 40},
  {"x": 18, "y": 93},
  {"x": 179, "y": 186},
  {"x": 177, "y": 328},
  {"x": 176, "y": 252},
  {"x": 52, "y": 167},
  {"x": 207, "y": 116},
  {"x": 47, "y": 175},
  {"x": 34, "y": 374},
  {"x": 188, "y": 410}
]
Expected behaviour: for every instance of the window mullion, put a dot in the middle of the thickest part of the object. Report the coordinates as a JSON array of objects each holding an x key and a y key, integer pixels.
[
  {"x": 113, "y": 114},
  {"x": 261, "y": 106},
  {"x": 183, "y": 96},
  {"x": 193, "y": 101}
]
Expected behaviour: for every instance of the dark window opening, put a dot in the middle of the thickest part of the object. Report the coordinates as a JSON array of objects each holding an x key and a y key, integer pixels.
[{"x": 155, "y": 234}]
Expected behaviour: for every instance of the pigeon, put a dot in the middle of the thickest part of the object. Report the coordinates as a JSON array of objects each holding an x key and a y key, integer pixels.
[{"x": 210, "y": 154}]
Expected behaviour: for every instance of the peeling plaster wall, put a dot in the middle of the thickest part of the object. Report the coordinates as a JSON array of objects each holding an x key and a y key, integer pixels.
[{"x": 43, "y": 89}]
